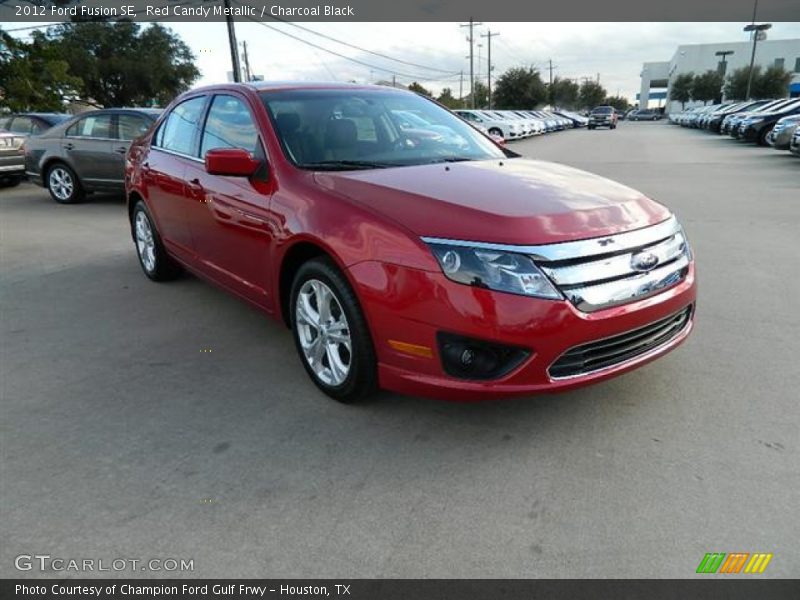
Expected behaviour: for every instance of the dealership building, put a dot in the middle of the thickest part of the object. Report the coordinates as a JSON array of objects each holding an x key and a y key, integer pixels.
[{"x": 699, "y": 58}]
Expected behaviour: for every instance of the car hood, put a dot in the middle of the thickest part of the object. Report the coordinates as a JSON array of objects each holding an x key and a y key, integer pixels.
[{"x": 510, "y": 201}]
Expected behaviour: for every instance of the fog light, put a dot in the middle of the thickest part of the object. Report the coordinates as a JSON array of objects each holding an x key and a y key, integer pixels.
[{"x": 468, "y": 358}]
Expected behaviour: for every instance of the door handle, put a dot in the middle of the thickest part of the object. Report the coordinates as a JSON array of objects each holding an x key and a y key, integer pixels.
[
  {"x": 69, "y": 146},
  {"x": 195, "y": 187},
  {"x": 121, "y": 149}
]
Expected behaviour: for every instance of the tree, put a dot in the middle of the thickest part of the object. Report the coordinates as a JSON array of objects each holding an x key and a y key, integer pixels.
[
  {"x": 33, "y": 76},
  {"x": 417, "y": 88},
  {"x": 481, "y": 95},
  {"x": 772, "y": 83},
  {"x": 520, "y": 88},
  {"x": 591, "y": 94},
  {"x": 707, "y": 86},
  {"x": 450, "y": 101},
  {"x": 681, "y": 89},
  {"x": 565, "y": 93},
  {"x": 618, "y": 102},
  {"x": 119, "y": 64},
  {"x": 736, "y": 82}
]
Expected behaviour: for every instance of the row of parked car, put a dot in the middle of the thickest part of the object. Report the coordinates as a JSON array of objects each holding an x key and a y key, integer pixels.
[
  {"x": 521, "y": 124},
  {"x": 766, "y": 122}
]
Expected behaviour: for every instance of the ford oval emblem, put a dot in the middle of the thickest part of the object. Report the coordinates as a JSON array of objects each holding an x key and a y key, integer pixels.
[{"x": 645, "y": 261}]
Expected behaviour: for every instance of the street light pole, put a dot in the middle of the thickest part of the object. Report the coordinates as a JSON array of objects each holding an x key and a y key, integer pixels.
[
  {"x": 756, "y": 30},
  {"x": 723, "y": 66}
]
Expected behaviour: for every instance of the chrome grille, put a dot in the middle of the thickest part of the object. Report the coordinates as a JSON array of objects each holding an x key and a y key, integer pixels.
[
  {"x": 608, "y": 352},
  {"x": 604, "y": 272}
]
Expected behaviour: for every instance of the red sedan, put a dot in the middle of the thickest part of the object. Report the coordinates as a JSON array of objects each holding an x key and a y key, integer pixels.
[{"x": 441, "y": 265}]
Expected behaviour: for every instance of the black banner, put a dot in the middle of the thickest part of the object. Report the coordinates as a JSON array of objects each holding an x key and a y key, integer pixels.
[
  {"x": 408, "y": 11},
  {"x": 733, "y": 588}
]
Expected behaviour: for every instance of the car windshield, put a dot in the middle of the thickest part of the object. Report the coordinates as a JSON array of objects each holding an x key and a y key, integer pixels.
[
  {"x": 370, "y": 129},
  {"x": 603, "y": 110}
]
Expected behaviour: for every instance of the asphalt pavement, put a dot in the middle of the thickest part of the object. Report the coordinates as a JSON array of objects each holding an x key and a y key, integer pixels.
[{"x": 142, "y": 420}]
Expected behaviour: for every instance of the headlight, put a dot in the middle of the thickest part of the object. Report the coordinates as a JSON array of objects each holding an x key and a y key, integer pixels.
[{"x": 494, "y": 269}]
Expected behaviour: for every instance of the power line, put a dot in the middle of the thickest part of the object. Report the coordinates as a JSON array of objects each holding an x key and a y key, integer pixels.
[
  {"x": 349, "y": 58},
  {"x": 349, "y": 45}
]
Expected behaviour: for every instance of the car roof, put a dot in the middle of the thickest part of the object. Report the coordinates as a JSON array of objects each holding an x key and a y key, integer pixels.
[{"x": 305, "y": 85}]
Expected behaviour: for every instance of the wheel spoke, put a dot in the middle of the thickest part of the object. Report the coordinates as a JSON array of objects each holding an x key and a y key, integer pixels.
[{"x": 323, "y": 332}]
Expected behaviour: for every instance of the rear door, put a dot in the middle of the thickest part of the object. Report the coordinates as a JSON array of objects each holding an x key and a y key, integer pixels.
[
  {"x": 87, "y": 147},
  {"x": 174, "y": 147}
]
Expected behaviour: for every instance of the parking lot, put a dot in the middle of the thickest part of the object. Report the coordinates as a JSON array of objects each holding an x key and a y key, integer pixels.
[{"x": 171, "y": 420}]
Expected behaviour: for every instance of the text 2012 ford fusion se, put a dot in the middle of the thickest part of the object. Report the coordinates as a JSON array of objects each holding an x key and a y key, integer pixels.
[{"x": 405, "y": 258}]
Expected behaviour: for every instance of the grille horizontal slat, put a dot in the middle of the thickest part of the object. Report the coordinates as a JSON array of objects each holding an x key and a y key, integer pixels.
[
  {"x": 618, "y": 349},
  {"x": 629, "y": 267}
]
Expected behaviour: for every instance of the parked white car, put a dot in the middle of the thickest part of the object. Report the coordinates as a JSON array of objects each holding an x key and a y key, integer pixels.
[{"x": 509, "y": 130}]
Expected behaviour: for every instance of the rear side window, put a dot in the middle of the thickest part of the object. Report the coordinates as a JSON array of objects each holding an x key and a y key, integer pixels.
[
  {"x": 21, "y": 125},
  {"x": 131, "y": 126},
  {"x": 93, "y": 126},
  {"x": 182, "y": 126},
  {"x": 229, "y": 125}
]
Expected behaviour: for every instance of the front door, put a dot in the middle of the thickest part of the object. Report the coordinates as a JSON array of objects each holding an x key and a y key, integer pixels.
[{"x": 229, "y": 216}]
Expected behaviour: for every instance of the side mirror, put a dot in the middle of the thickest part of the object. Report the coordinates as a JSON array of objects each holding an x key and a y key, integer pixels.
[{"x": 235, "y": 162}]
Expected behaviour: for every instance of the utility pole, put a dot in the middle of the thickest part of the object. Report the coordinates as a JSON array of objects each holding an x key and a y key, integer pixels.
[
  {"x": 470, "y": 39},
  {"x": 237, "y": 69},
  {"x": 247, "y": 73},
  {"x": 550, "y": 87},
  {"x": 394, "y": 80},
  {"x": 461, "y": 85},
  {"x": 489, "y": 37}
]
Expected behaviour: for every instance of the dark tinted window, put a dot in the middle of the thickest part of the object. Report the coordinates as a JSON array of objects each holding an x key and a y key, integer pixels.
[
  {"x": 92, "y": 126},
  {"x": 131, "y": 126},
  {"x": 178, "y": 132},
  {"x": 603, "y": 110},
  {"x": 229, "y": 125},
  {"x": 21, "y": 125}
]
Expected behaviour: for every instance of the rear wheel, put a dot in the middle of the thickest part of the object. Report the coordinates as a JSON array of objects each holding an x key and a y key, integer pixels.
[
  {"x": 153, "y": 258},
  {"x": 331, "y": 334},
  {"x": 63, "y": 184}
]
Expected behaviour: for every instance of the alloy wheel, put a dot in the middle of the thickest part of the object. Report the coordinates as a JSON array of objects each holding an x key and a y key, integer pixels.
[
  {"x": 324, "y": 332},
  {"x": 61, "y": 183},
  {"x": 145, "y": 242}
]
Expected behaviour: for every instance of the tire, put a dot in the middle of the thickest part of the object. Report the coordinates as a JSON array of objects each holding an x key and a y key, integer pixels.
[
  {"x": 11, "y": 181},
  {"x": 590, "y": 127},
  {"x": 496, "y": 131},
  {"x": 612, "y": 127},
  {"x": 345, "y": 370},
  {"x": 63, "y": 184},
  {"x": 761, "y": 140},
  {"x": 153, "y": 258}
]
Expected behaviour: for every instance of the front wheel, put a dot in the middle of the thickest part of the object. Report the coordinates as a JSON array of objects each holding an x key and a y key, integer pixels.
[
  {"x": 331, "y": 334},
  {"x": 496, "y": 131},
  {"x": 762, "y": 136}
]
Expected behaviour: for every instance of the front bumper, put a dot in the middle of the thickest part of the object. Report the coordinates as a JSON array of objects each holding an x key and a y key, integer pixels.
[{"x": 412, "y": 306}]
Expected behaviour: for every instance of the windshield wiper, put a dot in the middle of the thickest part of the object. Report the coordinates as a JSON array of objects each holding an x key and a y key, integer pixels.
[
  {"x": 344, "y": 165},
  {"x": 451, "y": 159}
]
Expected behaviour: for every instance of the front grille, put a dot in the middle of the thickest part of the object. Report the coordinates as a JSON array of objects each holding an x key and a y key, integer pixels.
[
  {"x": 608, "y": 352},
  {"x": 603, "y": 272}
]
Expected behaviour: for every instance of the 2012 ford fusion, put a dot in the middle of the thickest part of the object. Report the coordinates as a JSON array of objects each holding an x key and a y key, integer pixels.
[{"x": 437, "y": 263}]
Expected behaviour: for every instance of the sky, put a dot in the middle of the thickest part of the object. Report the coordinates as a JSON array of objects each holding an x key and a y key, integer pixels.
[{"x": 440, "y": 51}]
